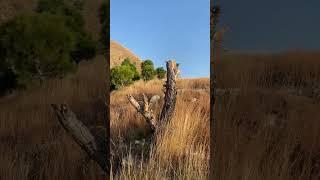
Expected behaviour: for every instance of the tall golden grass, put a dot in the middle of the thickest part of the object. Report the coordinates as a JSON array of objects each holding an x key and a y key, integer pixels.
[
  {"x": 268, "y": 135},
  {"x": 181, "y": 152},
  {"x": 33, "y": 145}
]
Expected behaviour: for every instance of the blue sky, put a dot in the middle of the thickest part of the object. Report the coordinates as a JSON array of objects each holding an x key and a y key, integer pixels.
[{"x": 166, "y": 29}]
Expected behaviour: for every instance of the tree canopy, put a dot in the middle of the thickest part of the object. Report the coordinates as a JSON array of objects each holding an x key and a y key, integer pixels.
[
  {"x": 147, "y": 70},
  {"x": 36, "y": 46}
]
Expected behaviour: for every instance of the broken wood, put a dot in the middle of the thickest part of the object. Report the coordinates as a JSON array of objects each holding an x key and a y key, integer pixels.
[
  {"x": 169, "y": 101},
  {"x": 144, "y": 110},
  {"x": 170, "y": 92},
  {"x": 95, "y": 147}
]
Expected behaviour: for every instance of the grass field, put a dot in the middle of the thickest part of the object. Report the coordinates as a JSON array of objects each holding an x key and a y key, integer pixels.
[
  {"x": 181, "y": 151},
  {"x": 268, "y": 134},
  {"x": 33, "y": 145}
]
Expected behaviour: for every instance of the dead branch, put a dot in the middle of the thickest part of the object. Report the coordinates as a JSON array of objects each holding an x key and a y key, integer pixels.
[
  {"x": 92, "y": 145},
  {"x": 144, "y": 110},
  {"x": 169, "y": 100}
]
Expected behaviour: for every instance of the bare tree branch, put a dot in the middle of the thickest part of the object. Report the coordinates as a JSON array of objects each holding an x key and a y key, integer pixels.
[
  {"x": 169, "y": 100},
  {"x": 144, "y": 110}
]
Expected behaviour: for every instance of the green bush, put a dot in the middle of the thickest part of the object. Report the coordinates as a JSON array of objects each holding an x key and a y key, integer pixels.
[
  {"x": 36, "y": 46},
  {"x": 86, "y": 46},
  {"x": 147, "y": 70},
  {"x": 124, "y": 74},
  {"x": 132, "y": 66},
  {"x": 121, "y": 76},
  {"x": 161, "y": 73},
  {"x": 73, "y": 16}
]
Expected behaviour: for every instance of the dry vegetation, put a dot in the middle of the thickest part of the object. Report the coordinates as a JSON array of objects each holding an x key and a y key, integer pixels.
[
  {"x": 268, "y": 134},
  {"x": 118, "y": 53},
  {"x": 33, "y": 143},
  {"x": 182, "y": 151}
]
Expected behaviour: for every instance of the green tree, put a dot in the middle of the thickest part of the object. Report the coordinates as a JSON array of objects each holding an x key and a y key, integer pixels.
[
  {"x": 35, "y": 46},
  {"x": 161, "y": 73},
  {"x": 86, "y": 46},
  {"x": 73, "y": 15},
  {"x": 121, "y": 76},
  {"x": 127, "y": 62},
  {"x": 147, "y": 70},
  {"x": 147, "y": 62}
]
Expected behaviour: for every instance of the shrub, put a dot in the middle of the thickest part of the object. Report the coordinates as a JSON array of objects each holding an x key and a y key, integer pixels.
[
  {"x": 132, "y": 66},
  {"x": 124, "y": 74},
  {"x": 147, "y": 63},
  {"x": 35, "y": 46},
  {"x": 147, "y": 70},
  {"x": 86, "y": 46},
  {"x": 161, "y": 73},
  {"x": 73, "y": 16},
  {"x": 121, "y": 76}
]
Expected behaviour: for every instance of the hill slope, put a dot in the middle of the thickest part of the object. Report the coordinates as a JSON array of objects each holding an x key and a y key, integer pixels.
[{"x": 118, "y": 53}]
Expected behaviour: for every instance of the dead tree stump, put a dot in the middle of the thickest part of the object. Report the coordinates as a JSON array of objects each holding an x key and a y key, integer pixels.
[{"x": 169, "y": 101}]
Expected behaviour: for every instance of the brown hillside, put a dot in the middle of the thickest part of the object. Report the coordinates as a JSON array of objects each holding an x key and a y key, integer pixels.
[{"x": 118, "y": 53}]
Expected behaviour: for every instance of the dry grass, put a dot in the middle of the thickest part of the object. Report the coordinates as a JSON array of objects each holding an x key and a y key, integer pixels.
[
  {"x": 268, "y": 135},
  {"x": 33, "y": 145},
  {"x": 181, "y": 151}
]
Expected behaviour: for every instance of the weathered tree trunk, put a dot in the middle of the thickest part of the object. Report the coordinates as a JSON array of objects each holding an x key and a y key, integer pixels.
[
  {"x": 170, "y": 92},
  {"x": 169, "y": 101},
  {"x": 96, "y": 148}
]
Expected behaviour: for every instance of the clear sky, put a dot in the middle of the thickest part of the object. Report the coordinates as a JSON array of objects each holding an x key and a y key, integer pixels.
[
  {"x": 271, "y": 25},
  {"x": 163, "y": 30}
]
